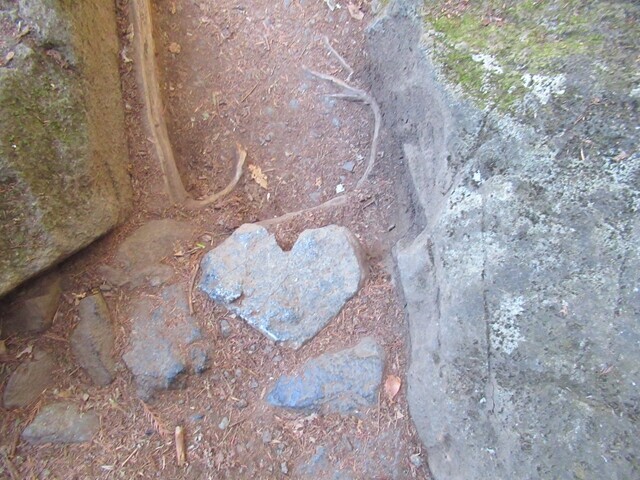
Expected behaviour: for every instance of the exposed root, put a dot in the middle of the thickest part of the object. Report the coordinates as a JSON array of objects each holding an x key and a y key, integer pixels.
[
  {"x": 352, "y": 94},
  {"x": 241, "y": 157},
  {"x": 339, "y": 57},
  {"x": 145, "y": 52}
]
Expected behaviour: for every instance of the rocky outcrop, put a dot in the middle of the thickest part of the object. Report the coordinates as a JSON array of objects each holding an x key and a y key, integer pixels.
[
  {"x": 63, "y": 156},
  {"x": 521, "y": 281}
]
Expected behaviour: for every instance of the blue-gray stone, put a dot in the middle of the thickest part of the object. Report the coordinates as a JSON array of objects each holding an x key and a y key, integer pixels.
[
  {"x": 62, "y": 423},
  {"x": 341, "y": 382},
  {"x": 159, "y": 334},
  {"x": 288, "y": 296}
]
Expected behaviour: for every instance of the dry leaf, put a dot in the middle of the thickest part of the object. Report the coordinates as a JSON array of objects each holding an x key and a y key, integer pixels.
[
  {"x": 259, "y": 177},
  {"x": 175, "y": 47},
  {"x": 355, "y": 12},
  {"x": 392, "y": 386},
  {"x": 9, "y": 57}
]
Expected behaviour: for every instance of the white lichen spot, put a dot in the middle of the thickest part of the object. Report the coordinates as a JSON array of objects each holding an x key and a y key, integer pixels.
[
  {"x": 477, "y": 177},
  {"x": 505, "y": 333},
  {"x": 545, "y": 86},
  {"x": 489, "y": 63}
]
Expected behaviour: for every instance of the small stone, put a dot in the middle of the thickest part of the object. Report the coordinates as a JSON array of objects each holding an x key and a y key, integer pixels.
[
  {"x": 93, "y": 338},
  {"x": 29, "y": 380},
  {"x": 284, "y": 468},
  {"x": 341, "y": 382},
  {"x": 196, "y": 417},
  {"x": 416, "y": 460},
  {"x": 266, "y": 436},
  {"x": 316, "y": 277},
  {"x": 32, "y": 308},
  {"x": 199, "y": 360},
  {"x": 242, "y": 403},
  {"x": 253, "y": 384},
  {"x": 225, "y": 328},
  {"x": 159, "y": 335},
  {"x": 224, "y": 423},
  {"x": 139, "y": 257},
  {"x": 349, "y": 166},
  {"x": 62, "y": 423}
]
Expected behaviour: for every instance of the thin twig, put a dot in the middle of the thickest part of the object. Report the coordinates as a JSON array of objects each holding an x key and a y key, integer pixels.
[
  {"x": 342, "y": 61},
  {"x": 9, "y": 466},
  {"x": 192, "y": 284}
]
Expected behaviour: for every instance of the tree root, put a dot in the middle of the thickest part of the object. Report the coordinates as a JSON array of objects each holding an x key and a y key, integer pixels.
[
  {"x": 352, "y": 94},
  {"x": 241, "y": 157},
  {"x": 145, "y": 52}
]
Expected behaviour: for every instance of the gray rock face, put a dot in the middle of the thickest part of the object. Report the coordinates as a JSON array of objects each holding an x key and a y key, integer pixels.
[
  {"x": 342, "y": 382},
  {"x": 522, "y": 290},
  {"x": 29, "y": 380},
  {"x": 53, "y": 208},
  {"x": 62, "y": 423},
  {"x": 288, "y": 296},
  {"x": 31, "y": 309},
  {"x": 161, "y": 334},
  {"x": 140, "y": 255},
  {"x": 93, "y": 338}
]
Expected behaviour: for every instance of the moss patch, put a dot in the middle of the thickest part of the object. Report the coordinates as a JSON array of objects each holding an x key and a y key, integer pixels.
[{"x": 487, "y": 48}]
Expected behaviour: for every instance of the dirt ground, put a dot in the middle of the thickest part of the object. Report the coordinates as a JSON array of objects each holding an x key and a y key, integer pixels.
[{"x": 232, "y": 72}]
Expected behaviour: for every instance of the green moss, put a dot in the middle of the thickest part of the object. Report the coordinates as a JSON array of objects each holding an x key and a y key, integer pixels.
[
  {"x": 534, "y": 37},
  {"x": 42, "y": 144}
]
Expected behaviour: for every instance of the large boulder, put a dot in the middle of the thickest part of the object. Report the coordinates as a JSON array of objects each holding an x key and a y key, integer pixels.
[
  {"x": 517, "y": 125},
  {"x": 63, "y": 154}
]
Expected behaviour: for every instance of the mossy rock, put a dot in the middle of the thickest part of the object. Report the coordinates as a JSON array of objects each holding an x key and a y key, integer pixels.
[{"x": 63, "y": 158}]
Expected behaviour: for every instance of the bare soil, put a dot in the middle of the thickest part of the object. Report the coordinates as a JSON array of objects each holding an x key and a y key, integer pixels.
[{"x": 232, "y": 72}]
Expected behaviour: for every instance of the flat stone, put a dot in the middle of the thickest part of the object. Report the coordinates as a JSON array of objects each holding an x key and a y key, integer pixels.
[
  {"x": 288, "y": 296},
  {"x": 93, "y": 338},
  {"x": 341, "y": 382},
  {"x": 140, "y": 255},
  {"x": 29, "y": 380},
  {"x": 62, "y": 423},
  {"x": 349, "y": 166},
  {"x": 31, "y": 309},
  {"x": 161, "y": 334}
]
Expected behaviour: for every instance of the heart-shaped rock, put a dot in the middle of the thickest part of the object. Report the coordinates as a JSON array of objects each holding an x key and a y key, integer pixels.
[{"x": 288, "y": 296}]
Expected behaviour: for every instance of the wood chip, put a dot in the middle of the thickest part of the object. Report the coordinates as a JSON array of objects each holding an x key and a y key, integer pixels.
[{"x": 181, "y": 452}]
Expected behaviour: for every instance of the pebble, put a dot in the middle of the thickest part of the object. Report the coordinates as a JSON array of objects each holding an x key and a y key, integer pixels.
[
  {"x": 266, "y": 436},
  {"x": 284, "y": 468},
  {"x": 224, "y": 423},
  {"x": 225, "y": 328},
  {"x": 416, "y": 460},
  {"x": 349, "y": 166}
]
